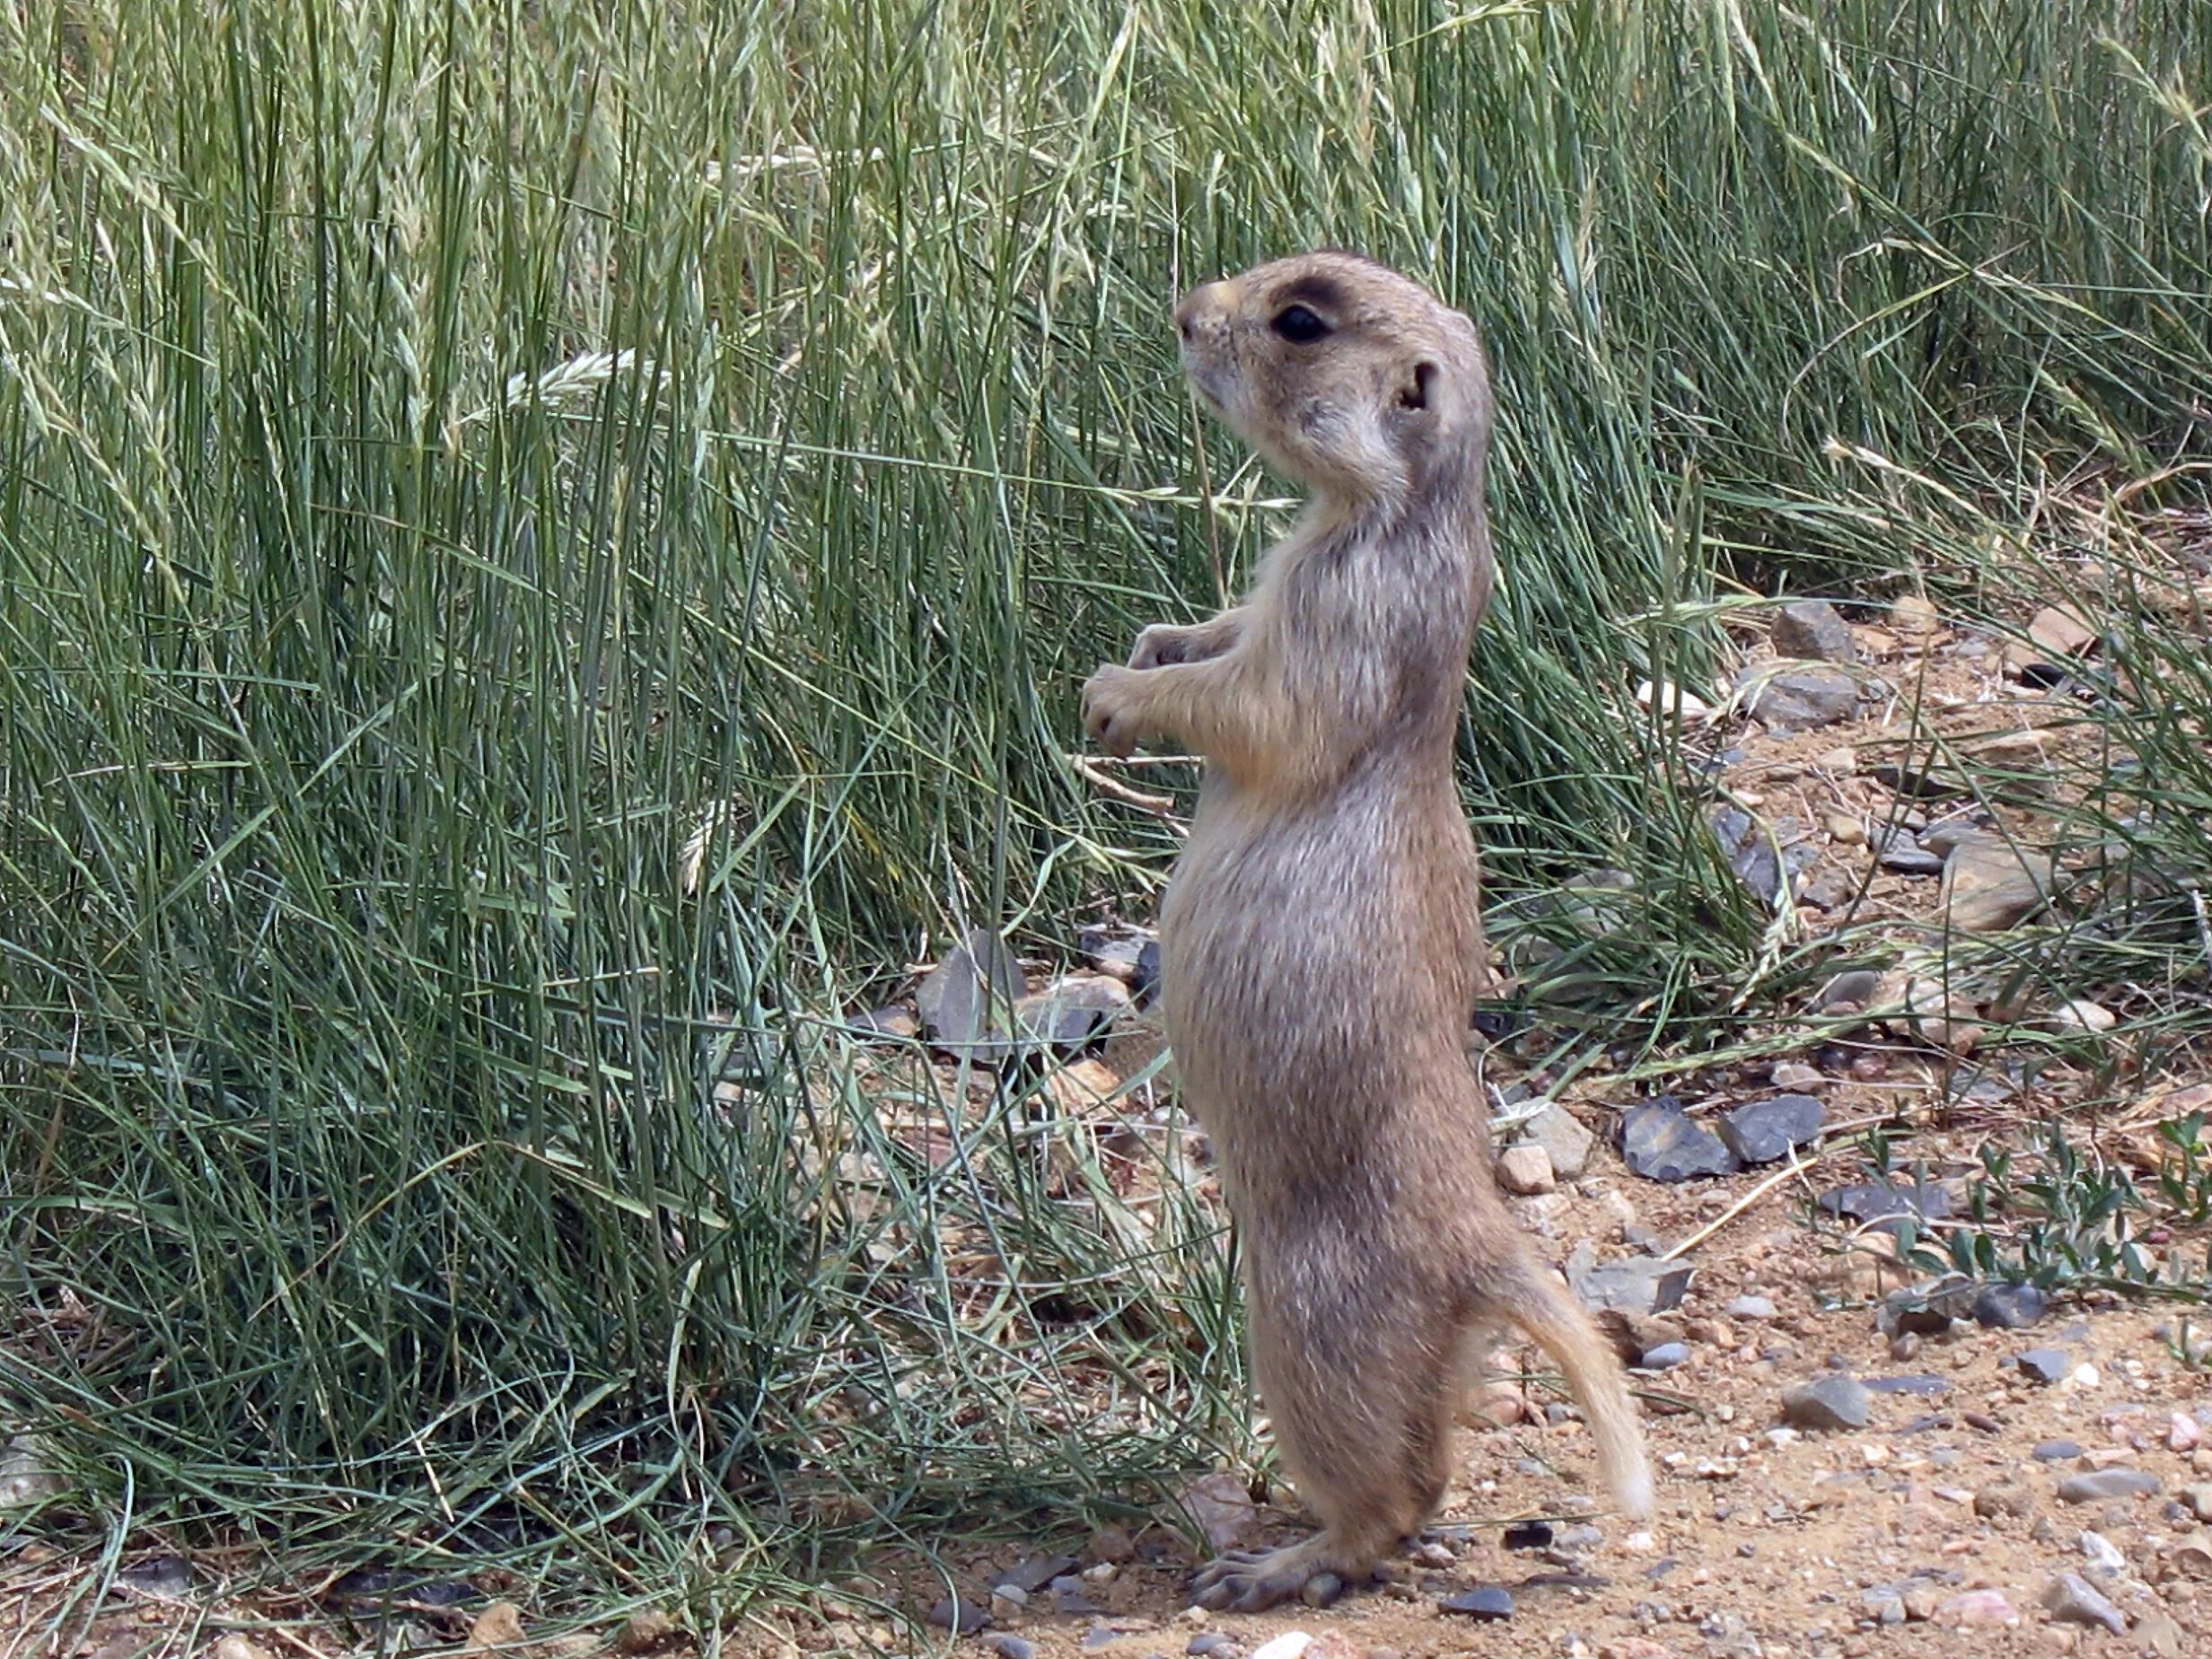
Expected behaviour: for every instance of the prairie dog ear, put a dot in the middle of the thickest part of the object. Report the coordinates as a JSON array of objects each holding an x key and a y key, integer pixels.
[{"x": 1418, "y": 389}]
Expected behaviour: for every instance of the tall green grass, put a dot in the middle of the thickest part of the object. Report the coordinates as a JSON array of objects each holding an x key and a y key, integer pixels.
[{"x": 457, "y": 460}]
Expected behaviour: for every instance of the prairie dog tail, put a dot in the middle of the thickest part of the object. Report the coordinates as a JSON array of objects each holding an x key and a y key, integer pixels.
[{"x": 1563, "y": 1331}]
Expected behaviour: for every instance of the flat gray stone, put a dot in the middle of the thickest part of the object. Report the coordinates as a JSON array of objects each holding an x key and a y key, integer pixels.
[
  {"x": 1898, "y": 849},
  {"x": 2010, "y": 1307},
  {"x": 1854, "y": 987},
  {"x": 2044, "y": 1364},
  {"x": 1639, "y": 1284},
  {"x": 964, "y": 998},
  {"x": 1750, "y": 1307},
  {"x": 1070, "y": 1015},
  {"x": 1488, "y": 1603},
  {"x": 1766, "y": 1130},
  {"x": 1562, "y": 1136},
  {"x": 2071, "y": 1598},
  {"x": 1866, "y": 1202},
  {"x": 1989, "y": 885},
  {"x": 1811, "y": 628},
  {"x": 2098, "y": 1486},
  {"x": 1799, "y": 699},
  {"x": 1666, "y": 1356},
  {"x": 1836, "y": 1400},
  {"x": 1659, "y": 1142},
  {"x": 959, "y": 1615}
]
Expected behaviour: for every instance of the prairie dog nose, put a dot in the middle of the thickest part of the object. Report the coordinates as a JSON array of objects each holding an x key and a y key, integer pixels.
[{"x": 1206, "y": 300}]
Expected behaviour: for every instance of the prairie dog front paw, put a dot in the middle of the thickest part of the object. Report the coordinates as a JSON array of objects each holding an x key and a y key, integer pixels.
[{"x": 1109, "y": 703}]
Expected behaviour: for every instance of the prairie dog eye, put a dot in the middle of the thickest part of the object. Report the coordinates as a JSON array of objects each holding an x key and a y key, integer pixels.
[{"x": 1299, "y": 325}]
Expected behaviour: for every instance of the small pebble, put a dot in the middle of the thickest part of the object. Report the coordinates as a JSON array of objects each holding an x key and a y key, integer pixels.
[
  {"x": 1750, "y": 1307},
  {"x": 2043, "y": 1364},
  {"x": 1010, "y": 1647},
  {"x": 2056, "y": 1452},
  {"x": 1666, "y": 1356},
  {"x": 1287, "y": 1645}
]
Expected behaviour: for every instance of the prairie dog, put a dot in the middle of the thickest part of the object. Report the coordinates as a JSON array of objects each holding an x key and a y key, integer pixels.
[{"x": 1320, "y": 941}]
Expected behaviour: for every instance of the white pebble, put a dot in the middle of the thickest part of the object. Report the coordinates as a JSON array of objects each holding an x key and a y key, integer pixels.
[
  {"x": 1287, "y": 1645},
  {"x": 1682, "y": 705}
]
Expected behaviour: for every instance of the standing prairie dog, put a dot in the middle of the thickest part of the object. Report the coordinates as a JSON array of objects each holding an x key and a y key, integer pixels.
[{"x": 1321, "y": 946}]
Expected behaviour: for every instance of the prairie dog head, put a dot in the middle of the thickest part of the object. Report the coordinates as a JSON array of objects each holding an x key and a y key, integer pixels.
[{"x": 1342, "y": 373}]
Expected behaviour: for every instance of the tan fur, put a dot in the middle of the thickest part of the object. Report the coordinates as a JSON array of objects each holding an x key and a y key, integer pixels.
[{"x": 1322, "y": 950}]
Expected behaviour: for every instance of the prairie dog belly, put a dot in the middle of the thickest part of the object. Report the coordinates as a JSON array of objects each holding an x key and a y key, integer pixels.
[{"x": 1339, "y": 944}]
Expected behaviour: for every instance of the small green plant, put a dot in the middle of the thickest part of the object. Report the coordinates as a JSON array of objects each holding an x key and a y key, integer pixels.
[{"x": 2070, "y": 1221}]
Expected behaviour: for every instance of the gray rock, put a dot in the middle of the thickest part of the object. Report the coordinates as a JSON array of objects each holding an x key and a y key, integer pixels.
[
  {"x": 1897, "y": 849},
  {"x": 1069, "y": 1599},
  {"x": 1811, "y": 628},
  {"x": 1836, "y": 1400},
  {"x": 2070, "y": 1599},
  {"x": 1145, "y": 983},
  {"x": 1830, "y": 887},
  {"x": 1853, "y": 987},
  {"x": 1070, "y": 1015},
  {"x": 891, "y": 1023},
  {"x": 2010, "y": 1307},
  {"x": 1561, "y": 1135},
  {"x": 1321, "y": 1590},
  {"x": 1034, "y": 1573},
  {"x": 966, "y": 997},
  {"x": 1488, "y": 1603},
  {"x": 2055, "y": 1451},
  {"x": 1799, "y": 699},
  {"x": 169, "y": 1577},
  {"x": 1884, "y": 1604},
  {"x": 1114, "y": 947},
  {"x": 1766, "y": 1130},
  {"x": 1010, "y": 1647},
  {"x": 1639, "y": 1285},
  {"x": 1750, "y": 1307},
  {"x": 1208, "y": 1642},
  {"x": 1918, "y": 1383},
  {"x": 1666, "y": 1356},
  {"x": 1942, "y": 837},
  {"x": 2044, "y": 1364},
  {"x": 1925, "y": 1310},
  {"x": 2102, "y": 1555},
  {"x": 2197, "y": 1500},
  {"x": 1868, "y": 1202},
  {"x": 2159, "y": 1637},
  {"x": 959, "y": 1615},
  {"x": 1988, "y": 885},
  {"x": 1660, "y": 1142},
  {"x": 1768, "y": 859},
  {"x": 28, "y": 1475},
  {"x": 1600, "y": 902},
  {"x": 2098, "y": 1486}
]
